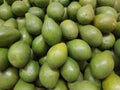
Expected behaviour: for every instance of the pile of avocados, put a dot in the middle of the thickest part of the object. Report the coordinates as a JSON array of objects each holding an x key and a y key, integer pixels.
[{"x": 59, "y": 44}]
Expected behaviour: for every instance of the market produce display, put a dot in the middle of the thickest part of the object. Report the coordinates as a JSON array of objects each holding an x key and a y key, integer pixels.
[{"x": 59, "y": 44}]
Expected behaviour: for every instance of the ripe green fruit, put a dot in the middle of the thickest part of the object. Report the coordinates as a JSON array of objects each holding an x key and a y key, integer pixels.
[
  {"x": 19, "y": 8},
  {"x": 22, "y": 85},
  {"x": 33, "y": 24},
  {"x": 69, "y": 29},
  {"x": 19, "y": 54},
  {"x": 112, "y": 82},
  {"x": 70, "y": 70},
  {"x": 8, "y": 78},
  {"x": 72, "y": 9},
  {"x": 57, "y": 55},
  {"x": 6, "y": 32},
  {"x": 39, "y": 46},
  {"x": 105, "y": 22},
  {"x": 102, "y": 64},
  {"x": 55, "y": 7},
  {"x": 78, "y": 49},
  {"x": 91, "y": 35},
  {"x": 37, "y": 11},
  {"x": 107, "y": 10},
  {"x": 48, "y": 80},
  {"x": 6, "y": 11},
  {"x": 30, "y": 72},
  {"x": 85, "y": 14},
  {"x": 51, "y": 31}
]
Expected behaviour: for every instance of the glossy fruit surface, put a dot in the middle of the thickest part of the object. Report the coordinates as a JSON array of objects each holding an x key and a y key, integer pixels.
[
  {"x": 55, "y": 7},
  {"x": 6, "y": 11},
  {"x": 106, "y": 23},
  {"x": 8, "y": 78},
  {"x": 33, "y": 24},
  {"x": 102, "y": 64},
  {"x": 48, "y": 80},
  {"x": 112, "y": 82},
  {"x": 69, "y": 29},
  {"x": 70, "y": 70},
  {"x": 85, "y": 14},
  {"x": 51, "y": 31},
  {"x": 19, "y": 8},
  {"x": 91, "y": 35},
  {"x": 59, "y": 53},
  {"x": 19, "y": 54},
  {"x": 39, "y": 46},
  {"x": 107, "y": 10},
  {"x": 59, "y": 44},
  {"x": 30, "y": 72},
  {"x": 77, "y": 48},
  {"x": 23, "y": 85}
]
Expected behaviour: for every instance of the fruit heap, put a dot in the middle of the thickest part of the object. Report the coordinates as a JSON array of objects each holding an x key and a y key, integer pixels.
[{"x": 59, "y": 45}]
